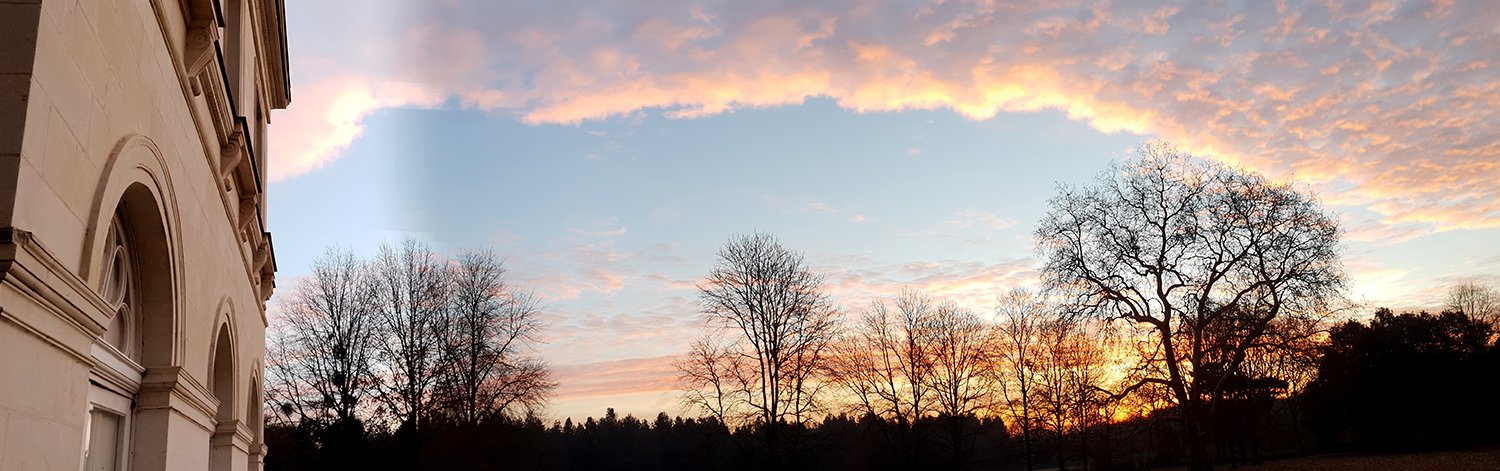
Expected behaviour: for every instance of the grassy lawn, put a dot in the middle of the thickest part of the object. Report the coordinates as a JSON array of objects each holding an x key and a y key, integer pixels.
[{"x": 1482, "y": 459}]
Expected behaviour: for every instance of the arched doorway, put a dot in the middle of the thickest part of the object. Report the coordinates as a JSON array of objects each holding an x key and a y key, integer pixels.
[{"x": 222, "y": 384}]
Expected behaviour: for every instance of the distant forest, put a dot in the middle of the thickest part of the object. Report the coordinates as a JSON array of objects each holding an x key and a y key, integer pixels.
[{"x": 1189, "y": 314}]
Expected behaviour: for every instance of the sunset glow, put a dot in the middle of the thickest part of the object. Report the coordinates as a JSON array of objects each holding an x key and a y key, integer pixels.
[{"x": 608, "y": 149}]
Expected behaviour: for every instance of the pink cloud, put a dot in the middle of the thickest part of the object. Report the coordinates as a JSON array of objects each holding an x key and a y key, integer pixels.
[
  {"x": 610, "y": 378},
  {"x": 328, "y": 118}
]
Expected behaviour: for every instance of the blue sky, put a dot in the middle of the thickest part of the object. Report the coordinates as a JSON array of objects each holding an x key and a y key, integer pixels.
[{"x": 608, "y": 149}]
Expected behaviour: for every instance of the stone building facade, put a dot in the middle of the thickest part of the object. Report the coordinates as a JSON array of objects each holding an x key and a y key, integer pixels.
[{"x": 134, "y": 258}]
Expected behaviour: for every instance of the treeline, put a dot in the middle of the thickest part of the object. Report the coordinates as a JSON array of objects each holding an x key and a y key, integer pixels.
[
  {"x": 1188, "y": 314},
  {"x": 1395, "y": 383}
]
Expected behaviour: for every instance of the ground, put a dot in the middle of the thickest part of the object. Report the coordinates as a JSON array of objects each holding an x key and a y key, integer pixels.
[{"x": 1484, "y": 459}]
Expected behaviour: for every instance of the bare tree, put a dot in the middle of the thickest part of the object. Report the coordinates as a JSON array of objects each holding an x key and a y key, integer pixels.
[
  {"x": 1069, "y": 389},
  {"x": 1204, "y": 256},
  {"x": 1477, "y": 299},
  {"x": 488, "y": 365},
  {"x": 964, "y": 374},
  {"x": 770, "y": 317},
  {"x": 715, "y": 379},
  {"x": 1022, "y": 315},
  {"x": 1089, "y": 365},
  {"x": 886, "y": 364},
  {"x": 320, "y": 355},
  {"x": 411, "y": 288}
]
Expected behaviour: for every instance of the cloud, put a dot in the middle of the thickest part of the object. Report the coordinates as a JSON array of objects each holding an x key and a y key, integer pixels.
[
  {"x": 617, "y": 377},
  {"x": 615, "y": 233},
  {"x": 820, "y": 207},
  {"x": 854, "y": 282},
  {"x": 1391, "y": 107},
  {"x": 973, "y": 216},
  {"x": 328, "y": 118}
]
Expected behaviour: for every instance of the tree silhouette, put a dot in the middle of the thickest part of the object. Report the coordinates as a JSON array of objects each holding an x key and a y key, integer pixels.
[
  {"x": 1022, "y": 315},
  {"x": 1477, "y": 299},
  {"x": 886, "y": 364},
  {"x": 1408, "y": 381},
  {"x": 1201, "y": 256},
  {"x": 488, "y": 366},
  {"x": 772, "y": 329}
]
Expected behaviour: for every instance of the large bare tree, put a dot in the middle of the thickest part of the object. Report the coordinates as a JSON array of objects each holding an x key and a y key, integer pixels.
[
  {"x": 1202, "y": 256},
  {"x": 426, "y": 336},
  {"x": 489, "y": 367},
  {"x": 772, "y": 327},
  {"x": 411, "y": 288}
]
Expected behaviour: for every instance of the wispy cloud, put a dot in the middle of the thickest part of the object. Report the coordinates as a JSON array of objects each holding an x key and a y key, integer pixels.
[
  {"x": 617, "y": 377},
  {"x": 615, "y": 233},
  {"x": 820, "y": 207},
  {"x": 972, "y": 217}
]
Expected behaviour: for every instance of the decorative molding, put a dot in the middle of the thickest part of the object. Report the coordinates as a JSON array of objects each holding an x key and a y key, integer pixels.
[
  {"x": 154, "y": 173},
  {"x": 267, "y": 286},
  {"x": 272, "y": 27},
  {"x": 247, "y": 212},
  {"x": 220, "y": 111},
  {"x": 231, "y": 153},
  {"x": 34, "y": 268},
  {"x": 275, "y": 64},
  {"x": 201, "y": 34},
  {"x": 262, "y": 254},
  {"x": 170, "y": 387},
  {"x": 120, "y": 372}
]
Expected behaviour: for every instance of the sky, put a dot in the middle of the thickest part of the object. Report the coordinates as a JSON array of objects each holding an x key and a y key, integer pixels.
[{"x": 607, "y": 149}]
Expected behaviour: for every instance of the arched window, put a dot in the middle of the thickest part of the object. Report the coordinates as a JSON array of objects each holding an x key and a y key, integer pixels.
[
  {"x": 118, "y": 288},
  {"x": 119, "y": 352}
]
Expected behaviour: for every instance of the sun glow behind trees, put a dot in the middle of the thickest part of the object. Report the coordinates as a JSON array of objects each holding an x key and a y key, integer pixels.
[{"x": 1205, "y": 268}]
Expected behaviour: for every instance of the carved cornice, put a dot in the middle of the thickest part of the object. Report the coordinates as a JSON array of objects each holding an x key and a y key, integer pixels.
[
  {"x": 232, "y": 433},
  {"x": 262, "y": 254},
  {"x": 273, "y": 36},
  {"x": 198, "y": 81}
]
